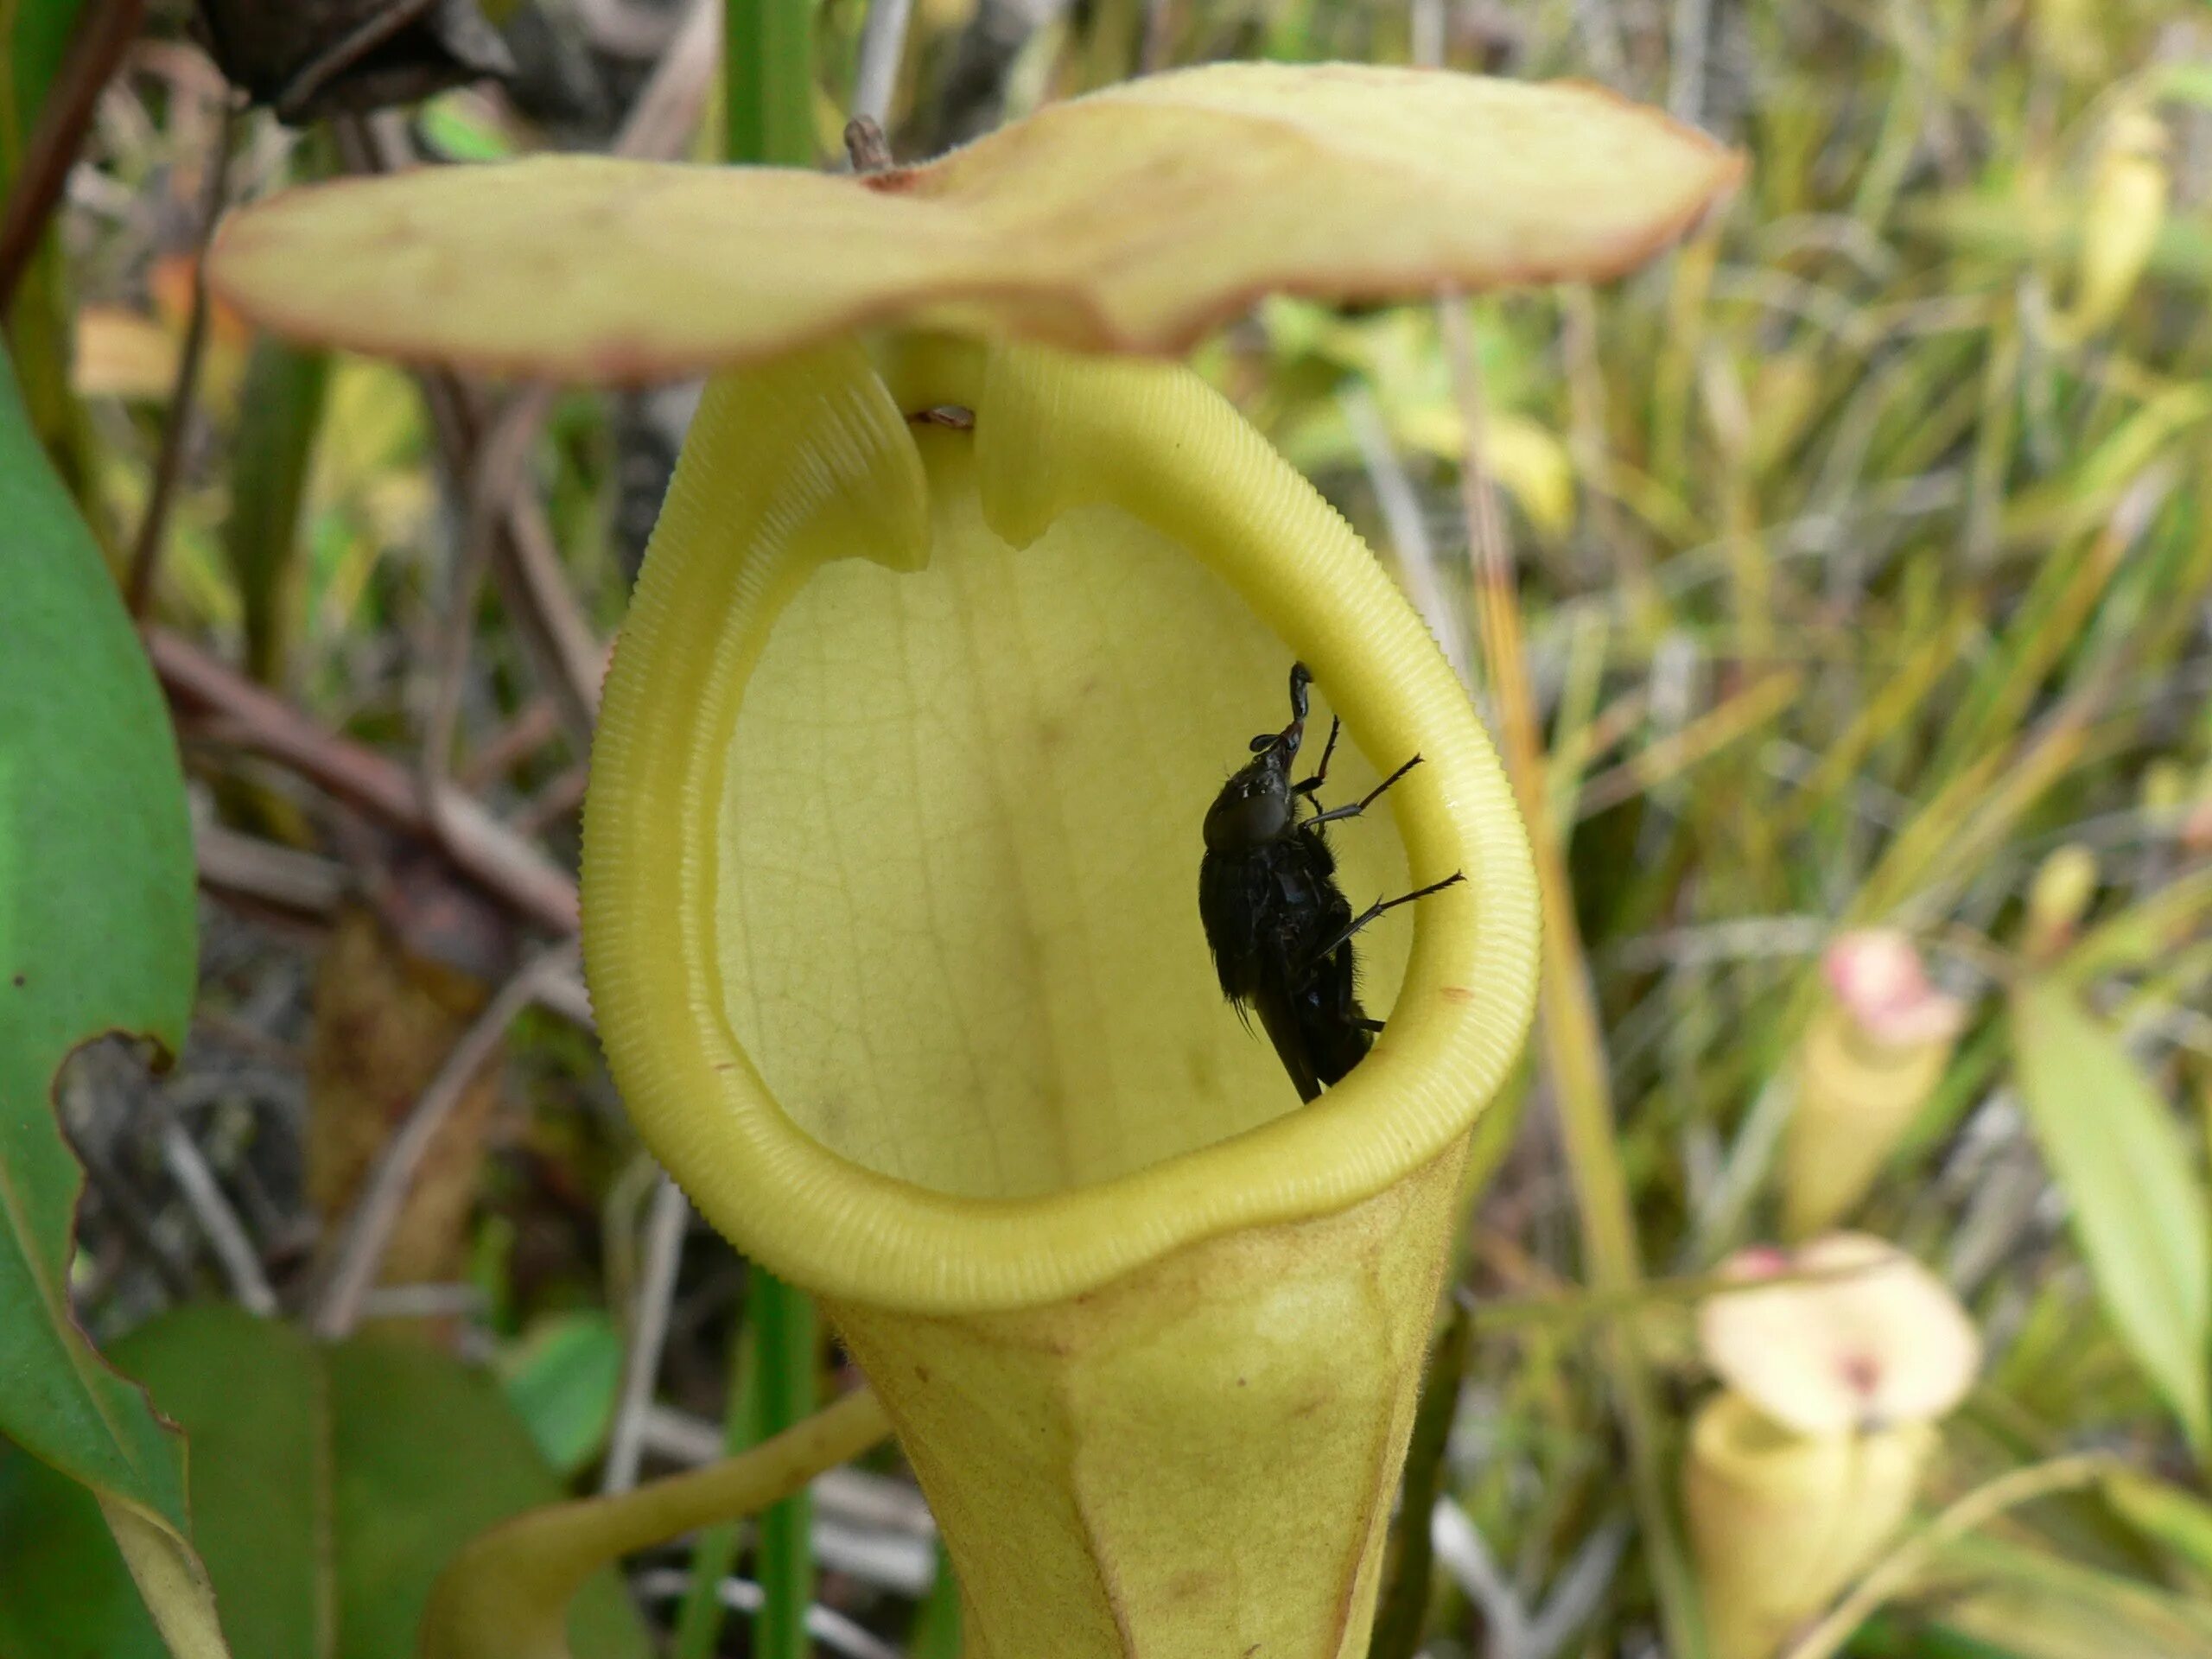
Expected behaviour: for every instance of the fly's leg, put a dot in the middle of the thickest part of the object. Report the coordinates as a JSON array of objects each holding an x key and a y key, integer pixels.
[
  {"x": 1321, "y": 772},
  {"x": 1289, "y": 737},
  {"x": 1365, "y": 801},
  {"x": 1327, "y": 948}
]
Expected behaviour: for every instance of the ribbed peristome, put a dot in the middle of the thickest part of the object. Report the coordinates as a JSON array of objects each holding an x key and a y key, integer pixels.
[{"x": 891, "y": 843}]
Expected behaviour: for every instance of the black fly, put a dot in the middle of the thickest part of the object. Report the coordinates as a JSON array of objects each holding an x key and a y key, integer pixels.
[{"x": 1280, "y": 928}]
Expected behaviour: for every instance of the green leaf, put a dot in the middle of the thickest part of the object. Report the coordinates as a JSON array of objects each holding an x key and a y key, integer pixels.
[
  {"x": 279, "y": 415},
  {"x": 2185, "y": 82},
  {"x": 34, "y": 36},
  {"x": 2177, "y": 1519},
  {"x": 34, "y": 39},
  {"x": 936, "y": 1634},
  {"x": 562, "y": 1379},
  {"x": 2034, "y": 1602},
  {"x": 95, "y": 935},
  {"x": 769, "y": 76},
  {"x": 2139, "y": 1210},
  {"x": 452, "y": 128},
  {"x": 330, "y": 1485}
]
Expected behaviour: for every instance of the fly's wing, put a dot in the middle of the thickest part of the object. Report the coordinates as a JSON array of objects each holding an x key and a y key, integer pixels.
[
  {"x": 1229, "y": 907},
  {"x": 1278, "y": 1017},
  {"x": 1330, "y": 1019},
  {"x": 1252, "y": 902},
  {"x": 1322, "y": 1009}
]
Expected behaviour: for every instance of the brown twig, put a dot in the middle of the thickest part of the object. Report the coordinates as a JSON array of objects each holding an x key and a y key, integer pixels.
[
  {"x": 504, "y": 528},
  {"x": 493, "y": 855},
  {"x": 145, "y": 554},
  {"x": 366, "y": 1233},
  {"x": 103, "y": 36},
  {"x": 533, "y": 589},
  {"x": 533, "y": 727},
  {"x": 495, "y": 475},
  {"x": 526, "y": 566},
  {"x": 665, "y": 1225},
  {"x": 560, "y": 797},
  {"x": 1572, "y": 1046},
  {"x": 659, "y": 124},
  {"x": 266, "y": 872},
  {"x": 227, "y": 1239},
  {"x": 127, "y": 1207},
  {"x": 866, "y": 147}
]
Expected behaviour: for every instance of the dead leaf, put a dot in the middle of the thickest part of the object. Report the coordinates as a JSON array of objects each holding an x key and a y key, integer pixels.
[{"x": 385, "y": 1019}]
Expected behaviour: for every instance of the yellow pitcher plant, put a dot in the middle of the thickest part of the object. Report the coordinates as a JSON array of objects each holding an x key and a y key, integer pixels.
[
  {"x": 953, "y": 624},
  {"x": 1876, "y": 1050},
  {"x": 1837, "y": 1359}
]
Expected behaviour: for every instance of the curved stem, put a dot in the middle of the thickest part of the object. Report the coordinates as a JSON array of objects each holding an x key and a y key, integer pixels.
[
  {"x": 508, "y": 1594},
  {"x": 146, "y": 552},
  {"x": 1978, "y": 1507}
]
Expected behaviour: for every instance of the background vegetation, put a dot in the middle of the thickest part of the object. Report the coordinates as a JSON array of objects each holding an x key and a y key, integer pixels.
[{"x": 1861, "y": 566}]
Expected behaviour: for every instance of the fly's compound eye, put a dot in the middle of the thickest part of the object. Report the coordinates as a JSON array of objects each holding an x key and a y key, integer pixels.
[{"x": 1247, "y": 814}]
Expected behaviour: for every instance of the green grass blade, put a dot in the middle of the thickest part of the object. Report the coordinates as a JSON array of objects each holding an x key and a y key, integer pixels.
[
  {"x": 937, "y": 1624},
  {"x": 278, "y": 417},
  {"x": 769, "y": 82},
  {"x": 2139, "y": 1208},
  {"x": 699, "y": 1625},
  {"x": 785, "y": 1319}
]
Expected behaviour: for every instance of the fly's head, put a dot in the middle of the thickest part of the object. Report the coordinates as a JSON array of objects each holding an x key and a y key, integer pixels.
[{"x": 1257, "y": 804}]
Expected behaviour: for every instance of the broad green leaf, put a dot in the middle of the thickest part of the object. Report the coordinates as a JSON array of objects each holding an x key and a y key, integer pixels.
[
  {"x": 1132, "y": 220},
  {"x": 2139, "y": 1210},
  {"x": 96, "y": 935},
  {"x": 562, "y": 1379},
  {"x": 329, "y": 1485}
]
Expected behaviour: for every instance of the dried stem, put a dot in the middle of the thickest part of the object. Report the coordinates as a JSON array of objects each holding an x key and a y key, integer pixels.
[
  {"x": 1977, "y": 1508},
  {"x": 146, "y": 552},
  {"x": 500, "y": 861},
  {"x": 883, "y": 46},
  {"x": 1410, "y": 537},
  {"x": 660, "y": 123},
  {"x": 665, "y": 1227},
  {"x": 226, "y": 1234}
]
